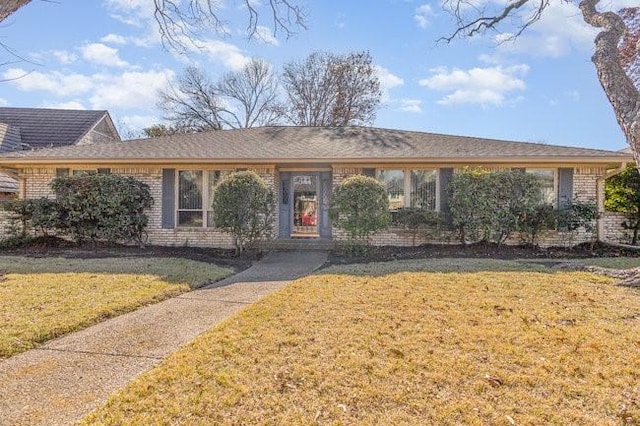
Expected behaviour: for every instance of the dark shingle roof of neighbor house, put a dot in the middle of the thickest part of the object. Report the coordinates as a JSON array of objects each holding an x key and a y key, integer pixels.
[
  {"x": 313, "y": 144},
  {"x": 45, "y": 127},
  {"x": 8, "y": 184}
]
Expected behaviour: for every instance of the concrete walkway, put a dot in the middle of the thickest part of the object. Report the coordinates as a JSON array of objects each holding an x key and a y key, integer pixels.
[{"x": 61, "y": 381}]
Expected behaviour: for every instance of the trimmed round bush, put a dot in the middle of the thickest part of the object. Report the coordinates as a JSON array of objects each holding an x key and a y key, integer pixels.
[
  {"x": 359, "y": 206},
  {"x": 244, "y": 205}
]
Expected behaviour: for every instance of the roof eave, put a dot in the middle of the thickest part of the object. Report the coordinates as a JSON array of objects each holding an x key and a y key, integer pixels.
[{"x": 33, "y": 161}]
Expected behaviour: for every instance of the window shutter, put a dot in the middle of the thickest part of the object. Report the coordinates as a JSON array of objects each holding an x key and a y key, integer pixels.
[
  {"x": 565, "y": 187},
  {"x": 168, "y": 198},
  {"x": 62, "y": 172},
  {"x": 445, "y": 178},
  {"x": 104, "y": 171},
  {"x": 369, "y": 172}
]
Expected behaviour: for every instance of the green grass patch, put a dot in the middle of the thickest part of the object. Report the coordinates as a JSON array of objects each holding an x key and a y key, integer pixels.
[
  {"x": 409, "y": 348},
  {"x": 43, "y": 298}
]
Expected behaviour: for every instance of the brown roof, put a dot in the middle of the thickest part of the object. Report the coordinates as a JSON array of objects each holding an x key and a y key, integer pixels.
[
  {"x": 313, "y": 144},
  {"x": 45, "y": 127}
]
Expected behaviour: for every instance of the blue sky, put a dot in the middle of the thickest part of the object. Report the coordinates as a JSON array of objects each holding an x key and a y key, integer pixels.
[{"x": 106, "y": 54}]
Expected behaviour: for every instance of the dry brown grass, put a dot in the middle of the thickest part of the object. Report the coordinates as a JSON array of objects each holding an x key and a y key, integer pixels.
[
  {"x": 44, "y": 298},
  {"x": 407, "y": 348}
]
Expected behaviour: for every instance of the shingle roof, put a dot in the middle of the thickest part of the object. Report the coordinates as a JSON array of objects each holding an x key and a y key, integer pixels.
[
  {"x": 44, "y": 127},
  {"x": 8, "y": 184},
  {"x": 314, "y": 144}
]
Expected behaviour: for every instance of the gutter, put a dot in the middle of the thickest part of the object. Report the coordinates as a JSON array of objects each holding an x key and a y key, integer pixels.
[{"x": 600, "y": 195}]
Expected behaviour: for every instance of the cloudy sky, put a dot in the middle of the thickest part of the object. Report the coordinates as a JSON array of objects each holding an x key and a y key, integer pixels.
[{"x": 106, "y": 54}]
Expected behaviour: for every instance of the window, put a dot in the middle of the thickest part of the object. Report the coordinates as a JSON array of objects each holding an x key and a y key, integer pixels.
[
  {"x": 393, "y": 181},
  {"x": 190, "y": 183},
  {"x": 195, "y": 191},
  {"x": 421, "y": 185},
  {"x": 547, "y": 181},
  {"x": 423, "y": 189}
]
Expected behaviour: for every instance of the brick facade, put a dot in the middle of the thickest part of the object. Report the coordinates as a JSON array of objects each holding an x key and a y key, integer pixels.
[{"x": 35, "y": 183}]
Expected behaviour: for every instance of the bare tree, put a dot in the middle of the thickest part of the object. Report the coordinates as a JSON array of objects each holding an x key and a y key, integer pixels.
[
  {"x": 193, "y": 105},
  {"x": 251, "y": 95},
  {"x": 158, "y": 130},
  {"x": 617, "y": 47},
  {"x": 246, "y": 98},
  {"x": 181, "y": 20},
  {"x": 332, "y": 90}
]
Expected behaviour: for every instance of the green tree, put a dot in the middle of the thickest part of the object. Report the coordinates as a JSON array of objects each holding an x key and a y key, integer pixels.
[
  {"x": 623, "y": 196},
  {"x": 359, "y": 205},
  {"x": 244, "y": 205}
]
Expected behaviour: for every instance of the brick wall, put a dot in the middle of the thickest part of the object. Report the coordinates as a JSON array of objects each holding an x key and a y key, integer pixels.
[
  {"x": 613, "y": 230},
  {"x": 584, "y": 189},
  {"x": 36, "y": 184}
]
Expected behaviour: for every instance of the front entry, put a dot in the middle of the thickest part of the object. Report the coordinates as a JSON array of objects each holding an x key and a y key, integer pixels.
[{"x": 303, "y": 204}]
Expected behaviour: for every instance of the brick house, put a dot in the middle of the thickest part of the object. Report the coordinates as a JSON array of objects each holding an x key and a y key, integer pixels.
[{"x": 303, "y": 165}]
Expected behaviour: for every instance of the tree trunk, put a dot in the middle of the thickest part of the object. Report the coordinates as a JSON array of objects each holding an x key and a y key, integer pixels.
[
  {"x": 618, "y": 86},
  {"x": 7, "y": 7}
]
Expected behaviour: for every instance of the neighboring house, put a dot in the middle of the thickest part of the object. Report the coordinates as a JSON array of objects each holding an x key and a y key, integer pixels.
[
  {"x": 36, "y": 128},
  {"x": 303, "y": 165}
]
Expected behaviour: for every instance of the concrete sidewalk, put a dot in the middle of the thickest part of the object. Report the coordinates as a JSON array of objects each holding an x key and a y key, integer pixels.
[{"x": 66, "y": 378}]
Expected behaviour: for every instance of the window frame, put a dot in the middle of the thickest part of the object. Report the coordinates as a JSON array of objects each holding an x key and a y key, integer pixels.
[
  {"x": 555, "y": 181},
  {"x": 407, "y": 183},
  {"x": 206, "y": 204}
]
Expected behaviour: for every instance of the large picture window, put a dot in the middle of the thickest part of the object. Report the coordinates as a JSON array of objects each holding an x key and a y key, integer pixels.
[
  {"x": 410, "y": 188},
  {"x": 195, "y": 194}
]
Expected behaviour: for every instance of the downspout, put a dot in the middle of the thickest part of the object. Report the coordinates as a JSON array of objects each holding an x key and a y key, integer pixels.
[{"x": 600, "y": 197}]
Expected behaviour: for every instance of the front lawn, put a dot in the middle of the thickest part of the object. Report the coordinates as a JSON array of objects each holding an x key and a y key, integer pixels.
[
  {"x": 42, "y": 298},
  {"x": 407, "y": 348}
]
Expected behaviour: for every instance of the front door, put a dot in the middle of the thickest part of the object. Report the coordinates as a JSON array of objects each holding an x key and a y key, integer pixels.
[{"x": 304, "y": 204}]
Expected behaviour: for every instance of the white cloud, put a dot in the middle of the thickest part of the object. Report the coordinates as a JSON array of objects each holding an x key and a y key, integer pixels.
[
  {"x": 137, "y": 13},
  {"x": 102, "y": 54},
  {"x": 422, "y": 15},
  {"x": 3, "y": 102},
  {"x": 54, "y": 82},
  {"x": 64, "y": 105},
  {"x": 138, "y": 122},
  {"x": 411, "y": 105},
  {"x": 560, "y": 30},
  {"x": 129, "y": 89},
  {"x": 228, "y": 54},
  {"x": 482, "y": 86},
  {"x": 64, "y": 57},
  {"x": 266, "y": 35},
  {"x": 114, "y": 39},
  {"x": 387, "y": 79}
]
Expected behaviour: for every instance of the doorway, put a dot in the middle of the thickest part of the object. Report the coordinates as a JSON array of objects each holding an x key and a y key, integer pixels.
[{"x": 304, "y": 205}]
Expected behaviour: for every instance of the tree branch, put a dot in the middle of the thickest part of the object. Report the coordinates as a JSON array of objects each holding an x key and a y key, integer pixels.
[{"x": 618, "y": 86}]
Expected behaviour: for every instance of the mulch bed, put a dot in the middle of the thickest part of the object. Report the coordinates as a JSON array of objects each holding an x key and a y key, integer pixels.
[
  {"x": 52, "y": 246},
  {"x": 57, "y": 247},
  {"x": 481, "y": 251}
]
